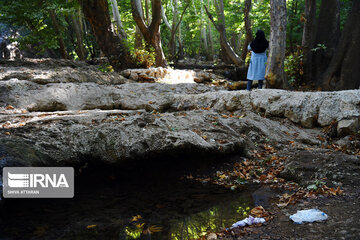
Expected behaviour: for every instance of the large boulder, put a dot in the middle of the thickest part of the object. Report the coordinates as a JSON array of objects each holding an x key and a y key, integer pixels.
[{"x": 67, "y": 121}]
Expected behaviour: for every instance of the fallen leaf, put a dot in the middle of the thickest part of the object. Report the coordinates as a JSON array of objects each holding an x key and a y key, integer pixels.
[
  {"x": 136, "y": 218},
  {"x": 140, "y": 225},
  {"x": 258, "y": 211}
]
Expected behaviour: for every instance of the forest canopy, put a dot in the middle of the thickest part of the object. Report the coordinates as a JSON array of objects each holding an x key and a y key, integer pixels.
[{"x": 318, "y": 46}]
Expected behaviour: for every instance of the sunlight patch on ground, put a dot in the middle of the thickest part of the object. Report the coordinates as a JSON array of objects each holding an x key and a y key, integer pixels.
[{"x": 171, "y": 76}]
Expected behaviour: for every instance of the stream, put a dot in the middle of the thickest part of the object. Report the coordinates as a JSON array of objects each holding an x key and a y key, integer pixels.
[{"x": 120, "y": 203}]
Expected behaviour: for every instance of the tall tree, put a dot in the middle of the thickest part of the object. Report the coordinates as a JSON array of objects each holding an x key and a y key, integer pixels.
[
  {"x": 173, "y": 27},
  {"x": 119, "y": 27},
  {"x": 58, "y": 32},
  {"x": 328, "y": 33},
  {"x": 308, "y": 37},
  {"x": 210, "y": 36},
  {"x": 220, "y": 27},
  {"x": 150, "y": 33},
  {"x": 114, "y": 48},
  {"x": 76, "y": 20},
  {"x": 248, "y": 32},
  {"x": 275, "y": 75},
  {"x": 204, "y": 45},
  {"x": 292, "y": 21},
  {"x": 344, "y": 69}
]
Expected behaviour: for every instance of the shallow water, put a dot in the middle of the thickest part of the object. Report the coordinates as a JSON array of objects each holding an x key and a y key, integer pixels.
[{"x": 105, "y": 205}]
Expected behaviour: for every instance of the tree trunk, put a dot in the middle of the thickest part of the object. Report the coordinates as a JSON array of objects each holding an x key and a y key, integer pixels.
[
  {"x": 58, "y": 32},
  {"x": 150, "y": 33},
  {"x": 173, "y": 31},
  {"x": 275, "y": 75},
  {"x": 204, "y": 43},
  {"x": 80, "y": 50},
  {"x": 119, "y": 27},
  {"x": 180, "y": 53},
  {"x": 114, "y": 48},
  {"x": 220, "y": 27},
  {"x": 138, "y": 38},
  {"x": 328, "y": 33},
  {"x": 210, "y": 37},
  {"x": 344, "y": 69},
  {"x": 248, "y": 33},
  {"x": 292, "y": 15},
  {"x": 147, "y": 12},
  {"x": 308, "y": 37}
]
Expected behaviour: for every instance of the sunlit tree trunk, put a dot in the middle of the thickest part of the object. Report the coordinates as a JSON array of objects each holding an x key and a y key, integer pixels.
[
  {"x": 173, "y": 30},
  {"x": 138, "y": 38},
  {"x": 204, "y": 43},
  {"x": 344, "y": 69},
  {"x": 210, "y": 36},
  {"x": 147, "y": 12},
  {"x": 180, "y": 53},
  {"x": 114, "y": 48},
  {"x": 119, "y": 27},
  {"x": 150, "y": 33},
  {"x": 220, "y": 27},
  {"x": 328, "y": 33},
  {"x": 58, "y": 32},
  {"x": 308, "y": 37},
  {"x": 248, "y": 32},
  {"x": 80, "y": 50},
  {"x": 275, "y": 74}
]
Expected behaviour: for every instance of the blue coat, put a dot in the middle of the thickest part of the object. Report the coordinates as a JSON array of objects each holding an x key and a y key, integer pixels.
[{"x": 257, "y": 66}]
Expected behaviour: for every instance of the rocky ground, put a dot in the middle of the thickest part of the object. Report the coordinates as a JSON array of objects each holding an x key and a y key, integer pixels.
[{"x": 57, "y": 113}]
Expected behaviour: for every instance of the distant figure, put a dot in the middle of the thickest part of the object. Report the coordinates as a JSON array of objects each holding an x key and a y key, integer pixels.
[
  {"x": 258, "y": 60},
  {"x": 17, "y": 54},
  {"x": 4, "y": 52}
]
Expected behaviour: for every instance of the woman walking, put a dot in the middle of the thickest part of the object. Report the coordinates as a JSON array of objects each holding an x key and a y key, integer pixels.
[{"x": 258, "y": 60}]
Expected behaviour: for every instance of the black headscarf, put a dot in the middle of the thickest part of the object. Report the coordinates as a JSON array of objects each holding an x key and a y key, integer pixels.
[{"x": 260, "y": 44}]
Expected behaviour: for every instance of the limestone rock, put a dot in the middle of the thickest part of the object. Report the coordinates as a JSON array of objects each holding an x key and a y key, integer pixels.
[{"x": 348, "y": 126}]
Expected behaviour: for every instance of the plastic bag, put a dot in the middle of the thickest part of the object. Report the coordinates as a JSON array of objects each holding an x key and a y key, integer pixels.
[
  {"x": 310, "y": 215},
  {"x": 248, "y": 221}
]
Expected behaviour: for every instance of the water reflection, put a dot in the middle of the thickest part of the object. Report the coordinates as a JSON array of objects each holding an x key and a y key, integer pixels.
[
  {"x": 168, "y": 209},
  {"x": 212, "y": 220},
  {"x": 196, "y": 225}
]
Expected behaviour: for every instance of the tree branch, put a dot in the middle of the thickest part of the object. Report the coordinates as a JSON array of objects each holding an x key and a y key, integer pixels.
[
  {"x": 165, "y": 18},
  {"x": 211, "y": 18},
  {"x": 137, "y": 14},
  {"x": 182, "y": 15},
  {"x": 156, "y": 15}
]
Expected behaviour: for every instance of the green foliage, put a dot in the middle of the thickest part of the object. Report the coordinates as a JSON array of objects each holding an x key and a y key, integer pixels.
[
  {"x": 106, "y": 67},
  {"x": 144, "y": 57},
  {"x": 35, "y": 26},
  {"x": 317, "y": 184},
  {"x": 293, "y": 66},
  {"x": 319, "y": 47},
  {"x": 33, "y": 19}
]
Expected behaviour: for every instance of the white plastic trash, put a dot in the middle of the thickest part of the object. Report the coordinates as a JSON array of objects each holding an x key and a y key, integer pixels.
[
  {"x": 248, "y": 221},
  {"x": 310, "y": 215}
]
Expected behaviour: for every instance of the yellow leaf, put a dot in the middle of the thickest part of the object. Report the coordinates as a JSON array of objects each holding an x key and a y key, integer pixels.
[
  {"x": 135, "y": 218},
  {"x": 90, "y": 226},
  {"x": 155, "y": 228},
  {"x": 140, "y": 225},
  {"x": 222, "y": 176}
]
